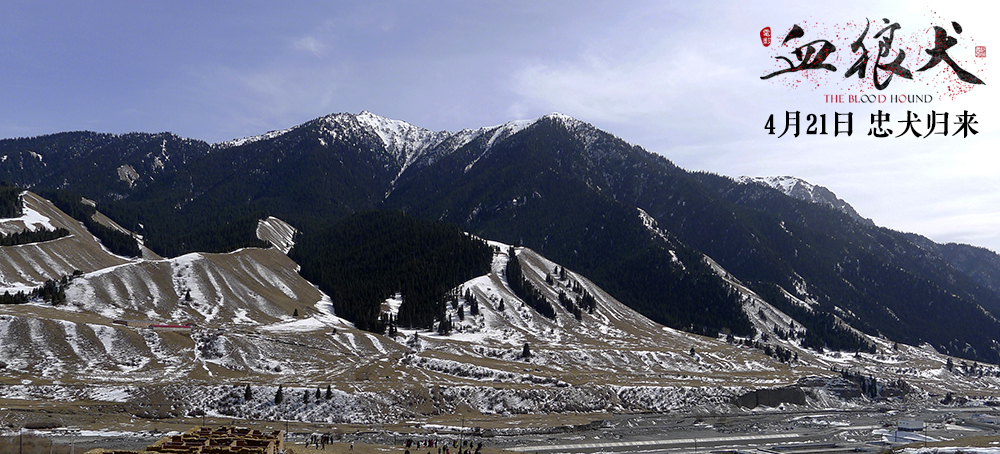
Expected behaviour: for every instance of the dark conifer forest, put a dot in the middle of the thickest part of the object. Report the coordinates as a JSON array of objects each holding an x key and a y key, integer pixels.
[
  {"x": 524, "y": 289},
  {"x": 10, "y": 201},
  {"x": 822, "y": 329},
  {"x": 370, "y": 256},
  {"x": 28, "y": 237},
  {"x": 116, "y": 241}
]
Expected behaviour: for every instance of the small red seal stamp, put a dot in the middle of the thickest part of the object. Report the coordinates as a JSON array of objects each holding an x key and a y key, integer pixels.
[
  {"x": 981, "y": 51},
  {"x": 765, "y": 36}
]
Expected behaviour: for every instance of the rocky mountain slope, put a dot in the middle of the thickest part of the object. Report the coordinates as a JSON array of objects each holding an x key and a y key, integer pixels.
[
  {"x": 241, "y": 305},
  {"x": 576, "y": 194},
  {"x": 977, "y": 263},
  {"x": 803, "y": 190}
]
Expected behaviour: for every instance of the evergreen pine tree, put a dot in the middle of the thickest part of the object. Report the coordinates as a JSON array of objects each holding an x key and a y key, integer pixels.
[
  {"x": 329, "y": 393},
  {"x": 295, "y": 313},
  {"x": 444, "y": 327},
  {"x": 319, "y": 394},
  {"x": 279, "y": 396},
  {"x": 526, "y": 351},
  {"x": 473, "y": 306},
  {"x": 247, "y": 394},
  {"x": 305, "y": 396}
]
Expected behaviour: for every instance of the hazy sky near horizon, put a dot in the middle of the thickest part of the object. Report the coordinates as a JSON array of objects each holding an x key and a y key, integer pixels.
[{"x": 678, "y": 79}]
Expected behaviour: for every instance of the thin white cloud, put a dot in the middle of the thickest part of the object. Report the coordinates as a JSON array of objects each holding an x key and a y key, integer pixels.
[
  {"x": 310, "y": 44},
  {"x": 255, "y": 100}
]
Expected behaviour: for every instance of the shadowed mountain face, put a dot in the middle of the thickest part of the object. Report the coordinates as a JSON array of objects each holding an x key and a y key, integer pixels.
[{"x": 629, "y": 220}]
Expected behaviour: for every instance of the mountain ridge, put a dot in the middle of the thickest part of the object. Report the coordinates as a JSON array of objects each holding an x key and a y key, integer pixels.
[
  {"x": 803, "y": 190},
  {"x": 572, "y": 192}
]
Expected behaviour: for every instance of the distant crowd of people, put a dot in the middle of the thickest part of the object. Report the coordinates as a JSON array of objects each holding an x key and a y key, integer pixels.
[
  {"x": 465, "y": 447},
  {"x": 443, "y": 447},
  {"x": 321, "y": 440}
]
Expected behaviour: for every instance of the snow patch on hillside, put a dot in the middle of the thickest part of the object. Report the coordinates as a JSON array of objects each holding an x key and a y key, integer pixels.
[
  {"x": 650, "y": 223},
  {"x": 32, "y": 220},
  {"x": 508, "y": 129},
  {"x": 118, "y": 348},
  {"x": 249, "y": 140},
  {"x": 784, "y": 184},
  {"x": 111, "y": 393},
  {"x": 277, "y": 232},
  {"x": 943, "y": 450},
  {"x": 323, "y": 319}
]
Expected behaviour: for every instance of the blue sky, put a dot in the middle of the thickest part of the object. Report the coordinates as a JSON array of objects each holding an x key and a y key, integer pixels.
[{"x": 677, "y": 79}]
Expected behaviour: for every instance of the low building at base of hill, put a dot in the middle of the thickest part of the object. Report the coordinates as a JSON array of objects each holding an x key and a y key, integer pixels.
[{"x": 205, "y": 440}]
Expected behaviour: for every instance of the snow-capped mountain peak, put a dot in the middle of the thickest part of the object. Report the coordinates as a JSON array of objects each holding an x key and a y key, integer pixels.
[
  {"x": 804, "y": 190},
  {"x": 500, "y": 132},
  {"x": 787, "y": 184},
  {"x": 507, "y": 129},
  {"x": 247, "y": 140},
  {"x": 566, "y": 119},
  {"x": 401, "y": 139}
]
